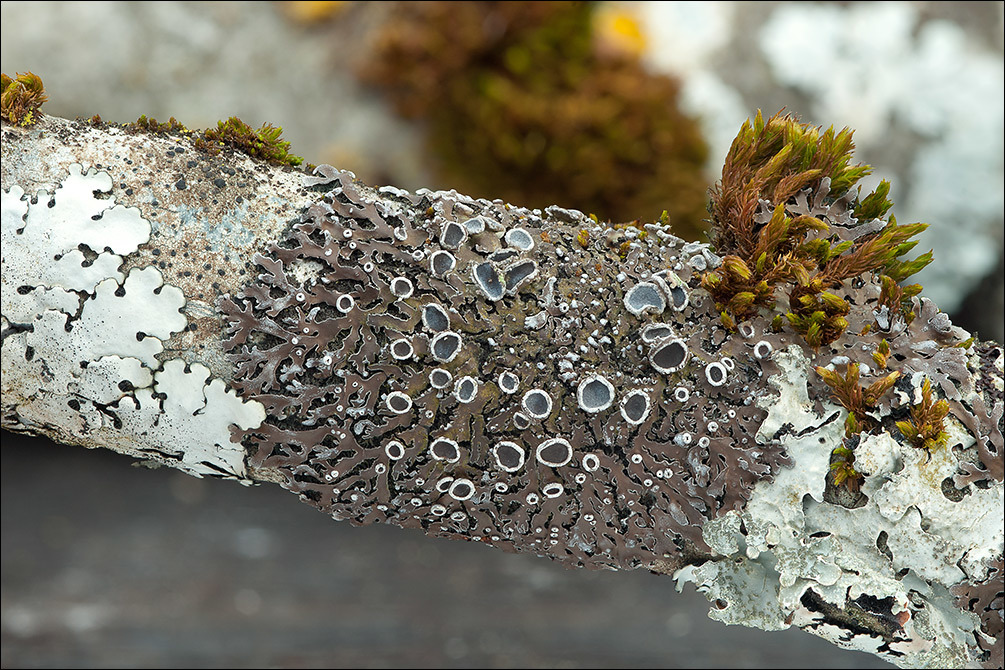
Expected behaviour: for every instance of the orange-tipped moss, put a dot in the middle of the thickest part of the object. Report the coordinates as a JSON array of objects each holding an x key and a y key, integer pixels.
[
  {"x": 771, "y": 161},
  {"x": 926, "y": 429},
  {"x": 897, "y": 298},
  {"x": 857, "y": 399},
  {"x": 263, "y": 143},
  {"x": 21, "y": 98},
  {"x": 843, "y": 469},
  {"x": 882, "y": 355}
]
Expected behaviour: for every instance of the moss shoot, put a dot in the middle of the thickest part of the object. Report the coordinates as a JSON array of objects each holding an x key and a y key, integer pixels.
[
  {"x": 21, "y": 98},
  {"x": 264, "y": 143}
]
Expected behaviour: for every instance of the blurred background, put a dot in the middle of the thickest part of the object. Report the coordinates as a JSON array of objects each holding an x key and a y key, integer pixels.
[{"x": 619, "y": 109}]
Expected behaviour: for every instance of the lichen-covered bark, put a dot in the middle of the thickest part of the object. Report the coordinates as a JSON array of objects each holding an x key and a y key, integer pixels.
[{"x": 529, "y": 379}]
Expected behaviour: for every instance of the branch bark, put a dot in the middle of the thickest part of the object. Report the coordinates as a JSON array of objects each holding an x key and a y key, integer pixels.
[{"x": 533, "y": 380}]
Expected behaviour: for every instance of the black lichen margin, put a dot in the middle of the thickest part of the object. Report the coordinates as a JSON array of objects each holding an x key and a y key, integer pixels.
[
  {"x": 471, "y": 369},
  {"x": 21, "y": 98}
]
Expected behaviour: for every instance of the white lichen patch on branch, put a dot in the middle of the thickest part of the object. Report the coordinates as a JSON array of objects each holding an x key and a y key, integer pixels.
[
  {"x": 81, "y": 341},
  {"x": 896, "y": 555},
  {"x": 47, "y": 241}
]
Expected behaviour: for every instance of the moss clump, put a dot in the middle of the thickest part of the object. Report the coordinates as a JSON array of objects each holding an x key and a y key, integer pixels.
[
  {"x": 842, "y": 469},
  {"x": 926, "y": 429},
  {"x": 857, "y": 399},
  {"x": 263, "y": 143},
  {"x": 150, "y": 125},
  {"x": 522, "y": 102},
  {"x": 21, "y": 98},
  {"x": 771, "y": 161},
  {"x": 882, "y": 355}
]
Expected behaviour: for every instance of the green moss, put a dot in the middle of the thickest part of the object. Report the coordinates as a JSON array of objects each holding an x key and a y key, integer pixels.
[
  {"x": 520, "y": 103},
  {"x": 772, "y": 160},
  {"x": 842, "y": 469},
  {"x": 858, "y": 400},
  {"x": 926, "y": 428},
  {"x": 150, "y": 125},
  {"x": 264, "y": 143},
  {"x": 21, "y": 98}
]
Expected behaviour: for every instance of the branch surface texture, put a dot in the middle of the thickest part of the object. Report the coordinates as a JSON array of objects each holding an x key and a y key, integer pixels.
[{"x": 607, "y": 396}]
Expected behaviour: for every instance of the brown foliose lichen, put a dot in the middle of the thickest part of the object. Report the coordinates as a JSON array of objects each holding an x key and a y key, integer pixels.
[
  {"x": 543, "y": 382},
  {"x": 472, "y": 369},
  {"x": 986, "y": 599},
  {"x": 522, "y": 102},
  {"x": 21, "y": 98}
]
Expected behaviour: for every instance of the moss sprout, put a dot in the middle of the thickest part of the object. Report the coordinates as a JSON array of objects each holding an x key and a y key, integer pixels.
[
  {"x": 926, "y": 429},
  {"x": 882, "y": 355},
  {"x": 842, "y": 469},
  {"x": 151, "y": 125},
  {"x": 264, "y": 143},
  {"x": 858, "y": 400},
  {"x": 21, "y": 98},
  {"x": 854, "y": 397}
]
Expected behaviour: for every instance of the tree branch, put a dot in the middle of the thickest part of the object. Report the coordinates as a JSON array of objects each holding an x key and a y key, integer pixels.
[{"x": 538, "y": 381}]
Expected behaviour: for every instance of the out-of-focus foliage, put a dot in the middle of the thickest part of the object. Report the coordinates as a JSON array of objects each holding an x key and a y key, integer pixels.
[{"x": 526, "y": 102}]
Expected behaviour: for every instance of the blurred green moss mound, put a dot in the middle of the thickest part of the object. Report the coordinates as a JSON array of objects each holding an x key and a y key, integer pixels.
[{"x": 524, "y": 101}]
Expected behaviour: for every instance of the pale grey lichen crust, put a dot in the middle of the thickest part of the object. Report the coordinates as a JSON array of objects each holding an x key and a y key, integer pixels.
[
  {"x": 897, "y": 555},
  {"x": 82, "y": 342}
]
